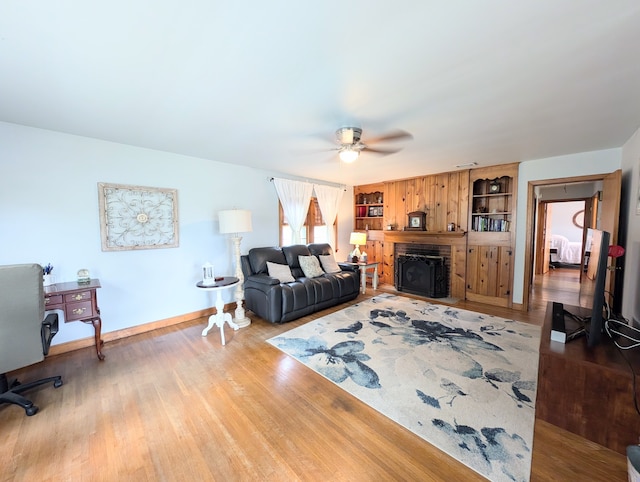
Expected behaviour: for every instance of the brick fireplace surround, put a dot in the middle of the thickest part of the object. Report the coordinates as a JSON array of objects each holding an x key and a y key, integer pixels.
[{"x": 451, "y": 245}]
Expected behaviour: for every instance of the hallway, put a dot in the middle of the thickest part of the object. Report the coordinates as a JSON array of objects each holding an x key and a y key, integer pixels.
[{"x": 560, "y": 284}]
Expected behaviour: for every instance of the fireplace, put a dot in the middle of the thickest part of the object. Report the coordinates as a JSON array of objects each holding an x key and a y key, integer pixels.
[{"x": 422, "y": 274}]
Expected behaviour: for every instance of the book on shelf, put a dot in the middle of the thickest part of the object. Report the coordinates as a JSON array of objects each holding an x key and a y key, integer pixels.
[{"x": 487, "y": 224}]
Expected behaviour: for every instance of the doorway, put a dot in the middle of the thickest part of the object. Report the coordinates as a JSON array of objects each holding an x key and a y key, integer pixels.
[
  {"x": 601, "y": 197},
  {"x": 559, "y": 254}
]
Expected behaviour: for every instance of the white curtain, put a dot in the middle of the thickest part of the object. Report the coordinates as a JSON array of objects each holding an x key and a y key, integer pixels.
[
  {"x": 295, "y": 197},
  {"x": 329, "y": 198}
]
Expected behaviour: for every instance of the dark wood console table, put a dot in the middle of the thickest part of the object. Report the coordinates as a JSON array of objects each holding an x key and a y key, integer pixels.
[
  {"x": 588, "y": 391},
  {"x": 78, "y": 302}
]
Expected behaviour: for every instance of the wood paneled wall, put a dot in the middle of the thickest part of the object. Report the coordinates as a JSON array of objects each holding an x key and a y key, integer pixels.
[{"x": 444, "y": 197}]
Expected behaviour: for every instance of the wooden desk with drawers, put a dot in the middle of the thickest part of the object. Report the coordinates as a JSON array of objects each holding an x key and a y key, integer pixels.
[{"x": 78, "y": 302}]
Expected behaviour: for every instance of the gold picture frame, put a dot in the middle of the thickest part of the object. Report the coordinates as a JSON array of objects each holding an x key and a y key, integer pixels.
[{"x": 137, "y": 217}]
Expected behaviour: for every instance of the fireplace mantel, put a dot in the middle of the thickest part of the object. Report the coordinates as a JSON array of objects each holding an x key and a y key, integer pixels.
[{"x": 425, "y": 237}]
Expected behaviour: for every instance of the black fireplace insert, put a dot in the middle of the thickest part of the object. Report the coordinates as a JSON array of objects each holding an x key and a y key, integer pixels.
[{"x": 422, "y": 274}]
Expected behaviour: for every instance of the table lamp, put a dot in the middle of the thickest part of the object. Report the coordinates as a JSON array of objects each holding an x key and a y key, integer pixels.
[
  {"x": 357, "y": 239},
  {"x": 236, "y": 221}
]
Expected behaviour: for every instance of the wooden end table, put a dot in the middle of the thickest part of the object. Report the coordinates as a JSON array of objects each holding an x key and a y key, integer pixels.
[{"x": 364, "y": 266}]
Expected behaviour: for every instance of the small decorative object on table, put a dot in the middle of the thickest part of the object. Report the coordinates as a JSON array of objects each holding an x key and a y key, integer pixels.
[
  {"x": 47, "y": 277},
  {"x": 357, "y": 239},
  {"x": 208, "y": 278},
  {"x": 417, "y": 221},
  {"x": 83, "y": 276}
]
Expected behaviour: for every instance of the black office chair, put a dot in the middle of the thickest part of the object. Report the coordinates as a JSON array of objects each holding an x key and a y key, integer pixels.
[{"x": 24, "y": 336}]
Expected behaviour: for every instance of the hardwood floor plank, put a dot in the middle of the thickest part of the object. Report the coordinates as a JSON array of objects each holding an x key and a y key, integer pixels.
[{"x": 172, "y": 405}]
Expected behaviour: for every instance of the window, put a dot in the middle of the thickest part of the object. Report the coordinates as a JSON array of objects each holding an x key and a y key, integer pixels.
[{"x": 313, "y": 231}]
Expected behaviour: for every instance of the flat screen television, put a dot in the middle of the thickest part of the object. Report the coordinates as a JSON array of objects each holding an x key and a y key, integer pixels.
[{"x": 593, "y": 284}]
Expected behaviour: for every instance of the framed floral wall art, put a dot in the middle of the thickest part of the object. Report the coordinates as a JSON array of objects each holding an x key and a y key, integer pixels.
[{"x": 137, "y": 217}]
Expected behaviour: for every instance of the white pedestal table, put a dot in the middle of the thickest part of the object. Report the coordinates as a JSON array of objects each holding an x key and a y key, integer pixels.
[{"x": 220, "y": 316}]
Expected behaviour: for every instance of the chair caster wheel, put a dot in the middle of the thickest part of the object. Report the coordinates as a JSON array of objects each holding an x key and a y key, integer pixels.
[
  {"x": 57, "y": 384},
  {"x": 32, "y": 410}
]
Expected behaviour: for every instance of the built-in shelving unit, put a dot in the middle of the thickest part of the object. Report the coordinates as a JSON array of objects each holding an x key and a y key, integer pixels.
[
  {"x": 492, "y": 208},
  {"x": 491, "y": 205},
  {"x": 369, "y": 212}
]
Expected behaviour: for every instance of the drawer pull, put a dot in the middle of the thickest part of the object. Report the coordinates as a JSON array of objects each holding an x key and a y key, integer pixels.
[
  {"x": 47, "y": 300},
  {"x": 79, "y": 311},
  {"x": 78, "y": 297}
]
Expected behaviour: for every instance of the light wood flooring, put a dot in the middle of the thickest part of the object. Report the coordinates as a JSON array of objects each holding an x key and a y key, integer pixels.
[{"x": 171, "y": 405}]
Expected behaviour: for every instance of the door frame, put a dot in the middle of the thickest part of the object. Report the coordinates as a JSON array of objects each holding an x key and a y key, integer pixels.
[{"x": 530, "y": 232}]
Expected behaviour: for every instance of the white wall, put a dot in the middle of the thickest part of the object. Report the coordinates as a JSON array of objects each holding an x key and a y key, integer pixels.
[
  {"x": 562, "y": 220},
  {"x": 581, "y": 164},
  {"x": 631, "y": 174},
  {"x": 49, "y": 214}
]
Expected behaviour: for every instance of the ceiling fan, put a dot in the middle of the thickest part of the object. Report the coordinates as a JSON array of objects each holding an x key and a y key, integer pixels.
[{"x": 351, "y": 144}]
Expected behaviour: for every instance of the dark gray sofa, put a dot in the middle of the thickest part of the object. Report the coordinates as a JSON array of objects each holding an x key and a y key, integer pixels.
[{"x": 279, "y": 302}]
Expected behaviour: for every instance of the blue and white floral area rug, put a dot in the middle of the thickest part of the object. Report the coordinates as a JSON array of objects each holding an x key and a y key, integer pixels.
[{"x": 463, "y": 381}]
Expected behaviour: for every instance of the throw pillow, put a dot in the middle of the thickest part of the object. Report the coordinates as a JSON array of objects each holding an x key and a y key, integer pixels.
[
  {"x": 281, "y": 272},
  {"x": 329, "y": 263},
  {"x": 310, "y": 266}
]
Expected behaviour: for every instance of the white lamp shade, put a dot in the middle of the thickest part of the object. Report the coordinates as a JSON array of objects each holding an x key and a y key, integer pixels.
[
  {"x": 358, "y": 238},
  {"x": 235, "y": 221}
]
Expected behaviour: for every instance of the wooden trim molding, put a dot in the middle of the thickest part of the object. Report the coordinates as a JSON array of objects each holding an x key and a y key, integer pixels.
[
  {"x": 425, "y": 237},
  {"x": 134, "y": 330}
]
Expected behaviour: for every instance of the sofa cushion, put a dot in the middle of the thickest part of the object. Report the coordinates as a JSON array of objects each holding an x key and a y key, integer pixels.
[
  {"x": 281, "y": 272},
  {"x": 320, "y": 248},
  {"x": 310, "y": 266},
  {"x": 329, "y": 264},
  {"x": 258, "y": 258},
  {"x": 291, "y": 254}
]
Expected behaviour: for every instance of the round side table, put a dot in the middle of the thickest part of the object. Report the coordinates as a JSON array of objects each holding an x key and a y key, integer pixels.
[{"x": 220, "y": 316}]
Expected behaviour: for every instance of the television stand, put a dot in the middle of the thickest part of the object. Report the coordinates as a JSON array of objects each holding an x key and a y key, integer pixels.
[
  {"x": 566, "y": 326},
  {"x": 587, "y": 391}
]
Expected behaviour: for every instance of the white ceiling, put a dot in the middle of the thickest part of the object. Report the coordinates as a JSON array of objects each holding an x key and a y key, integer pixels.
[{"x": 266, "y": 83}]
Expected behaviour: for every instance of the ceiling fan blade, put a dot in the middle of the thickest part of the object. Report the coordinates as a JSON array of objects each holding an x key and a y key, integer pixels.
[
  {"x": 392, "y": 136},
  {"x": 313, "y": 151},
  {"x": 382, "y": 152}
]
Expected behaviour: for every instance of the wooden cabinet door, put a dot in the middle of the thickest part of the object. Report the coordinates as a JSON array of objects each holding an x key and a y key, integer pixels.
[{"x": 489, "y": 271}]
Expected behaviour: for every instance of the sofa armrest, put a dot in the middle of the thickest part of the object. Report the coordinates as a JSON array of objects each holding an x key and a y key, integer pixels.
[
  {"x": 349, "y": 266},
  {"x": 259, "y": 280}
]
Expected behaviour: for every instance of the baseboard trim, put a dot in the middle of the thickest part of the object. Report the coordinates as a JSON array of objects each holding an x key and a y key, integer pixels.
[{"x": 134, "y": 330}]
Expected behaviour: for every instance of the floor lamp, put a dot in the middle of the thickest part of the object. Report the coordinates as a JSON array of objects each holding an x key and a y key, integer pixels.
[{"x": 236, "y": 221}]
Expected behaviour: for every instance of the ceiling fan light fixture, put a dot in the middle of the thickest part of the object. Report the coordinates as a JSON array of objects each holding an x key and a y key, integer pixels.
[
  {"x": 348, "y": 155},
  {"x": 348, "y": 135}
]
